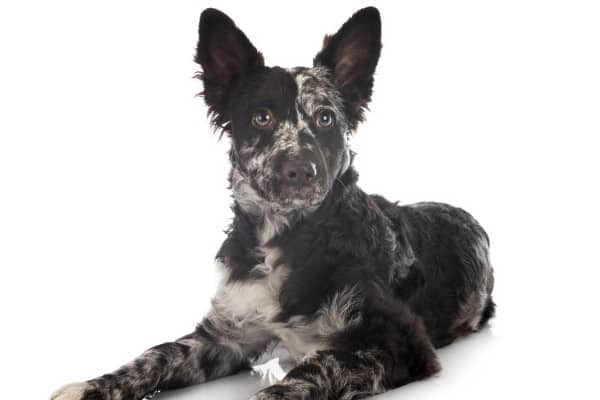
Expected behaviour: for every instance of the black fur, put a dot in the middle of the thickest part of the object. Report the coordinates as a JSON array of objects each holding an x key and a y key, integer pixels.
[
  {"x": 358, "y": 289},
  {"x": 352, "y": 55}
]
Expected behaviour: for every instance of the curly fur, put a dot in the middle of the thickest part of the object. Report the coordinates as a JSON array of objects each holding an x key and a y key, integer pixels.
[{"x": 358, "y": 290}]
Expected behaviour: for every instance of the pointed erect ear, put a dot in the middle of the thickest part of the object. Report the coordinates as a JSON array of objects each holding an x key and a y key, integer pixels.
[
  {"x": 226, "y": 55},
  {"x": 351, "y": 55}
]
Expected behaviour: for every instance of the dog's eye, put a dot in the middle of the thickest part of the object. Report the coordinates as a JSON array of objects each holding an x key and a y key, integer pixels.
[
  {"x": 324, "y": 118},
  {"x": 262, "y": 118}
]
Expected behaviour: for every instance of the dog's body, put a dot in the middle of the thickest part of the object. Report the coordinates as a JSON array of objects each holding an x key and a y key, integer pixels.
[{"x": 357, "y": 289}]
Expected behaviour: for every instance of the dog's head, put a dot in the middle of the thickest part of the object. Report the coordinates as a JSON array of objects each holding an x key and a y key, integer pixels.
[{"x": 289, "y": 127}]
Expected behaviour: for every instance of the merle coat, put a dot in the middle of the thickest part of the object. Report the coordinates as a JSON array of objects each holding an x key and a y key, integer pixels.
[{"x": 357, "y": 291}]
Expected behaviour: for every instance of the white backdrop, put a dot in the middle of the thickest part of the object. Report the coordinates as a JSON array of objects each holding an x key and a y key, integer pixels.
[{"x": 113, "y": 190}]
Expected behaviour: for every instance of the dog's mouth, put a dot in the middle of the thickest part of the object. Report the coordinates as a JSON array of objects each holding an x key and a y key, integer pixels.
[
  {"x": 302, "y": 198},
  {"x": 283, "y": 182},
  {"x": 295, "y": 198},
  {"x": 286, "y": 198},
  {"x": 259, "y": 196}
]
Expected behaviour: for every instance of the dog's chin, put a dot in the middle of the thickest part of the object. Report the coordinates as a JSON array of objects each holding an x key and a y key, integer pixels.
[
  {"x": 297, "y": 201},
  {"x": 258, "y": 199}
]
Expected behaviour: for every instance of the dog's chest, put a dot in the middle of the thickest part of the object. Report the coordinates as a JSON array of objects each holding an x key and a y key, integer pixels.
[
  {"x": 254, "y": 300},
  {"x": 253, "y": 306}
]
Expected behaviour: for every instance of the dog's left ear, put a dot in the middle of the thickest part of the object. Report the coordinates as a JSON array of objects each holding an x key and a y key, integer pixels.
[{"x": 351, "y": 55}]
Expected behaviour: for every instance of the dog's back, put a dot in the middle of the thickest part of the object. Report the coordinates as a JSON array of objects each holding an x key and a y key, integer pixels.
[{"x": 450, "y": 281}]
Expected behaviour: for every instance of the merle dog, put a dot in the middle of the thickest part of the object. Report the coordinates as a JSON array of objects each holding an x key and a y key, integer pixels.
[{"x": 358, "y": 290}]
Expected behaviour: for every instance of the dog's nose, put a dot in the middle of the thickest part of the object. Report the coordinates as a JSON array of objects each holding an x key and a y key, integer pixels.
[{"x": 299, "y": 172}]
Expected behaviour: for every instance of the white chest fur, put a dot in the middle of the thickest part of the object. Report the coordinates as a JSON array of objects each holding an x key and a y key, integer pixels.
[
  {"x": 254, "y": 301},
  {"x": 250, "y": 307}
]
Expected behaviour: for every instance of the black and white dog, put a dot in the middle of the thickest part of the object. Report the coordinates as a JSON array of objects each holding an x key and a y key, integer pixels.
[{"x": 358, "y": 290}]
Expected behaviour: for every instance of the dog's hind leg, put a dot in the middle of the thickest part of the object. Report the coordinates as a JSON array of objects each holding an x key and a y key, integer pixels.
[{"x": 195, "y": 358}]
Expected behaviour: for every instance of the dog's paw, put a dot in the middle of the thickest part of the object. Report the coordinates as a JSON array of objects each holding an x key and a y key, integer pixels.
[
  {"x": 281, "y": 392},
  {"x": 72, "y": 391}
]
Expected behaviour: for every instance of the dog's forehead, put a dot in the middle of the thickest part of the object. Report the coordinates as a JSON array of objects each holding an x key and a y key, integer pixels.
[
  {"x": 288, "y": 90},
  {"x": 276, "y": 85},
  {"x": 315, "y": 88}
]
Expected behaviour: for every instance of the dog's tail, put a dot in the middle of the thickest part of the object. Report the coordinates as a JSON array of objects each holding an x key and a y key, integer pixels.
[{"x": 488, "y": 312}]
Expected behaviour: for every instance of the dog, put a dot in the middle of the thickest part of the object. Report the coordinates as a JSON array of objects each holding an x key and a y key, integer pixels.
[{"x": 359, "y": 291}]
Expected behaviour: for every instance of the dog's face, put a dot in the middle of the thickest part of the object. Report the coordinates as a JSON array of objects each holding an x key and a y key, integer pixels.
[{"x": 289, "y": 127}]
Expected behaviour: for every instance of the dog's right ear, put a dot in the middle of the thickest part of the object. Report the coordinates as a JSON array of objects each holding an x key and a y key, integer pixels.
[
  {"x": 351, "y": 55},
  {"x": 226, "y": 55}
]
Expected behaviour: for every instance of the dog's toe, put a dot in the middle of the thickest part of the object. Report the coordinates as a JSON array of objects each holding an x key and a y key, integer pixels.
[
  {"x": 281, "y": 392},
  {"x": 72, "y": 391}
]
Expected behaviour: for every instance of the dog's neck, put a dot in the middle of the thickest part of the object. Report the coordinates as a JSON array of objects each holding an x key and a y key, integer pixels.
[{"x": 271, "y": 219}]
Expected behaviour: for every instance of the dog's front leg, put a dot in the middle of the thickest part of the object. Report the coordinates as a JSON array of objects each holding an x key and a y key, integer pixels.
[
  {"x": 383, "y": 346},
  {"x": 334, "y": 374},
  {"x": 195, "y": 358},
  {"x": 330, "y": 374}
]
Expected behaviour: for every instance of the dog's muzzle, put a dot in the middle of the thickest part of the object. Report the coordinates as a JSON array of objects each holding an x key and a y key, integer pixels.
[{"x": 299, "y": 179}]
